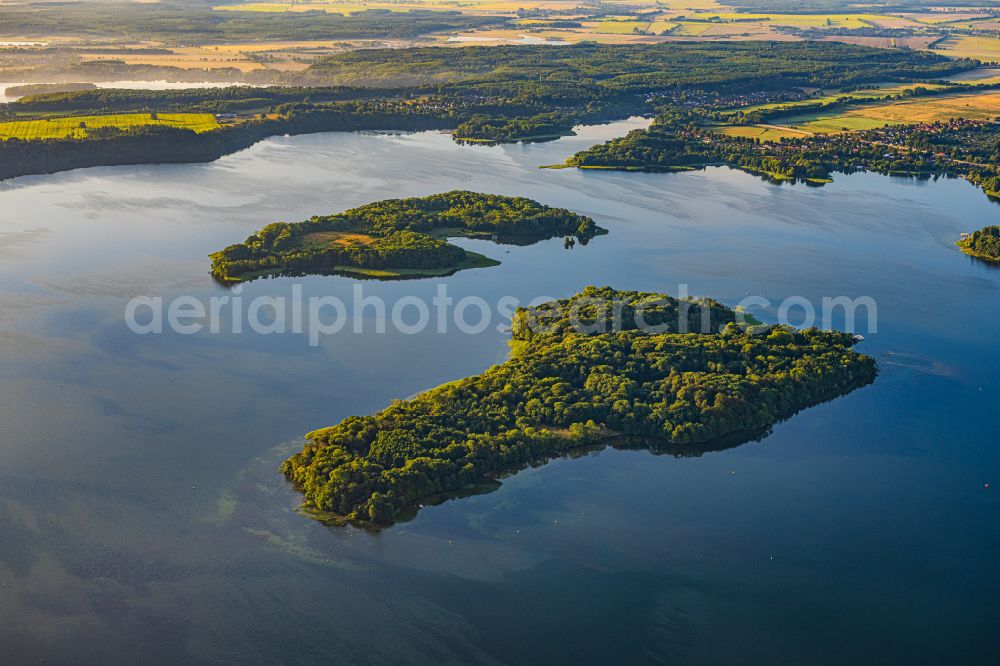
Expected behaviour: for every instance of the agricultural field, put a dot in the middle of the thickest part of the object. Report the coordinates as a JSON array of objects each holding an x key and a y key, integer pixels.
[
  {"x": 689, "y": 5},
  {"x": 551, "y": 36},
  {"x": 989, "y": 25},
  {"x": 975, "y": 106},
  {"x": 691, "y": 29},
  {"x": 499, "y": 36},
  {"x": 761, "y": 132},
  {"x": 916, "y": 42},
  {"x": 832, "y": 96},
  {"x": 797, "y": 20},
  {"x": 342, "y": 7},
  {"x": 77, "y": 126},
  {"x": 738, "y": 31},
  {"x": 621, "y": 27},
  {"x": 986, "y": 49},
  {"x": 980, "y": 75},
  {"x": 938, "y": 18},
  {"x": 333, "y": 7},
  {"x": 660, "y": 27},
  {"x": 246, "y": 57},
  {"x": 680, "y": 20},
  {"x": 891, "y": 21}
]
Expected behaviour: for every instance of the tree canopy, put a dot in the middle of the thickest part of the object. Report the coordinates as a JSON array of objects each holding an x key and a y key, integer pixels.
[
  {"x": 397, "y": 234},
  {"x": 565, "y": 387},
  {"x": 984, "y": 243}
]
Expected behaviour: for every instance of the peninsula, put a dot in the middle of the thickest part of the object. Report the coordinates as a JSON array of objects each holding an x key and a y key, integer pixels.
[{"x": 685, "y": 139}]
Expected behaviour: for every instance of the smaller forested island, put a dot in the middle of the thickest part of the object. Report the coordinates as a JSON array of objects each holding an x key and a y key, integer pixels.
[
  {"x": 982, "y": 244},
  {"x": 398, "y": 238},
  {"x": 640, "y": 368}
]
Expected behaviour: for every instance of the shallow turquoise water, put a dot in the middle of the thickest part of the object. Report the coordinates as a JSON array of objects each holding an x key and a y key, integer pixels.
[{"x": 142, "y": 512}]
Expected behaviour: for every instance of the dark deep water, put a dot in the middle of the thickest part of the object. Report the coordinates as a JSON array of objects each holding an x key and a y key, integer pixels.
[{"x": 143, "y": 519}]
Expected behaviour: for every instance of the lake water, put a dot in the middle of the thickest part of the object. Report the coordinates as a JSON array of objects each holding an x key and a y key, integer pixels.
[{"x": 143, "y": 517}]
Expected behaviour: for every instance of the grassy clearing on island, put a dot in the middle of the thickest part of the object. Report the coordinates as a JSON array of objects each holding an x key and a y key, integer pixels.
[
  {"x": 321, "y": 239},
  {"x": 77, "y": 126}
]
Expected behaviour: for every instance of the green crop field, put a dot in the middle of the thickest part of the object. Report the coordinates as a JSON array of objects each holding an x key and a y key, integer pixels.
[{"x": 77, "y": 126}]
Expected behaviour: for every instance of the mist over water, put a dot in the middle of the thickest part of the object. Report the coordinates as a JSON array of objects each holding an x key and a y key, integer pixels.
[{"x": 143, "y": 513}]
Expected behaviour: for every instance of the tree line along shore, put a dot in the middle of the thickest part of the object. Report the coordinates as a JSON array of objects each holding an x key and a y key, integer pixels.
[{"x": 485, "y": 94}]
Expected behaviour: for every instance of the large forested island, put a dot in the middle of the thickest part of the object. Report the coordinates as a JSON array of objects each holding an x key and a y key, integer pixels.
[
  {"x": 982, "y": 244},
  {"x": 581, "y": 372},
  {"x": 398, "y": 238}
]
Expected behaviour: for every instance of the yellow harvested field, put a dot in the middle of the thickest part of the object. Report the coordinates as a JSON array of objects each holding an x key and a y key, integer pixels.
[
  {"x": 891, "y": 21},
  {"x": 975, "y": 76},
  {"x": 686, "y": 6},
  {"x": 491, "y": 37},
  {"x": 980, "y": 48},
  {"x": 660, "y": 27},
  {"x": 761, "y": 132},
  {"x": 916, "y": 42},
  {"x": 342, "y": 7},
  {"x": 933, "y": 18},
  {"x": 882, "y": 90},
  {"x": 797, "y": 20},
  {"x": 987, "y": 25},
  {"x": 976, "y": 106},
  {"x": 621, "y": 27},
  {"x": 240, "y": 56},
  {"x": 329, "y": 7},
  {"x": 187, "y": 57},
  {"x": 691, "y": 29},
  {"x": 729, "y": 30},
  {"x": 77, "y": 126},
  {"x": 258, "y": 47}
]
